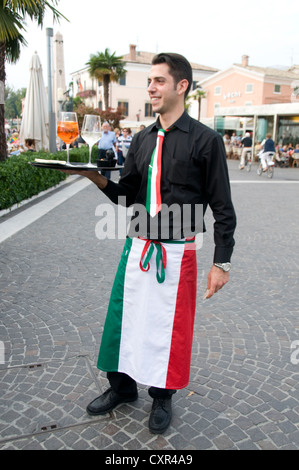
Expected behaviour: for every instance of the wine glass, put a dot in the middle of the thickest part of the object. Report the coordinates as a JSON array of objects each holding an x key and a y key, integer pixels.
[
  {"x": 68, "y": 130},
  {"x": 91, "y": 132}
]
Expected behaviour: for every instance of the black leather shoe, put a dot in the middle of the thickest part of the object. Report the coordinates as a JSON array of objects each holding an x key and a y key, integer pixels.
[
  {"x": 160, "y": 416},
  {"x": 107, "y": 402}
]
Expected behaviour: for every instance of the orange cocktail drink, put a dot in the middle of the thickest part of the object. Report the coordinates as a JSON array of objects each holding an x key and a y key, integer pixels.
[{"x": 68, "y": 131}]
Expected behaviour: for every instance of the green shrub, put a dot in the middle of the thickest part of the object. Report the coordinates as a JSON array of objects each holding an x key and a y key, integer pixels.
[{"x": 19, "y": 180}]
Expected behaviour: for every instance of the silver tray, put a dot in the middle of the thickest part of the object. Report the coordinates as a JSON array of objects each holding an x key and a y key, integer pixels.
[{"x": 74, "y": 166}]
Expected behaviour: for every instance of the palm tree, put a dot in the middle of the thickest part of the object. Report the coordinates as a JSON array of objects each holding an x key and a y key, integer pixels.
[
  {"x": 106, "y": 68},
  {"x": 12, "y": 19},
  {"x": 198, "y": 95}
]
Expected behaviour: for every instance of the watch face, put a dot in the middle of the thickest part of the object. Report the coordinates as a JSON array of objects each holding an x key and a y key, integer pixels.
[{"x": 224, "y": 266}]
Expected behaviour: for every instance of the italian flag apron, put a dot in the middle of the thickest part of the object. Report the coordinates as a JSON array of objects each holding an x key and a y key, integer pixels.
[{"x": 148, "y": 330}]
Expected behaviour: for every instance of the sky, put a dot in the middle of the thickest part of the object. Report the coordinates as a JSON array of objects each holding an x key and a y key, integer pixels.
[{"x": 214, "y": 33}]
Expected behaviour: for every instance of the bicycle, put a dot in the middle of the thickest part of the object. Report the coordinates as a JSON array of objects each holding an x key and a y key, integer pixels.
[
  {"x": 269, "y": 170},
  {"x": 248, "y": 161}
]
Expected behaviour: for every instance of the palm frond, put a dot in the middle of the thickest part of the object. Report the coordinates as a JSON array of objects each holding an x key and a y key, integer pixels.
[
  {"x": 104, "y": 63},
  {"x": 12, "y": 22},
  {"x": 11, "y": 25},
  {"x": 13, "y": 49},
  {"x": 107, "y": 68},
  {"x": 34, "y": 9}
]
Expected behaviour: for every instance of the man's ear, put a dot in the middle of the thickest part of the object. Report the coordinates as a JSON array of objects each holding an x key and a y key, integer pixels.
[{"x": 182, "y": 86}]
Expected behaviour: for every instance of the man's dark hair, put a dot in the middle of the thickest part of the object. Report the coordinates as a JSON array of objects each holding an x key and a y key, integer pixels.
[{"x": 179, "y": 67}]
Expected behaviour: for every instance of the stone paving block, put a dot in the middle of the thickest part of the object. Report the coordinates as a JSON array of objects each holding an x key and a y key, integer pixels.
[
  {"x": 248, "y": 445},
  {"x": 223, "y": 443},
  {"x": 256, "y": 434},
  {"x": 133, "y": 444},
  {"x": 202, "y": 443},
  {"x": 102, "y": 442},
  {"x": 200, "y": 425}
]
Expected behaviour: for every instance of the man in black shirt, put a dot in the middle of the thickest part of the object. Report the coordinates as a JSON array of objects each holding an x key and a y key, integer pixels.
[
  {"x": 149, "y": 326},
  {"x": 247, "y": 146}
]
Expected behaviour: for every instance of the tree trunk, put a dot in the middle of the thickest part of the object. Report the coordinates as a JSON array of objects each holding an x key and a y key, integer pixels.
[
  {"x": 106, "y": 83},
  {"x": 3, "y": 145},
  {"x": 199, "y": 108}
]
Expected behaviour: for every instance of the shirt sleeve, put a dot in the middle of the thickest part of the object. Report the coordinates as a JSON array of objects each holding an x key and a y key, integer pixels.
[
  {"x": 218, "y": 195},
  {"x": 128, "y": 186}
]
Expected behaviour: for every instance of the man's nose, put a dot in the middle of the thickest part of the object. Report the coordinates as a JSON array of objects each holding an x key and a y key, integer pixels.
[{"x": 150, "y": 87}]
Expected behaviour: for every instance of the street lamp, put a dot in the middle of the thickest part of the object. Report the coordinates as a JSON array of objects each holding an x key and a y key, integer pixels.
[{"x": 52, "y": 118}]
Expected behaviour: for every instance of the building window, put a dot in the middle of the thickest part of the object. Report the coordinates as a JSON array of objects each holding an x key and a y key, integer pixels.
[
  {"x": 148, "y": 110},
  {"x": 194, "y": 85},
  {"x": 123, "y": 80},
  {"x": 216, "y": 105},
  {"x": 124, "y": 106},
  {"x": 217, "y": 91},
  {"x": 249, "y": 88},
  {"x": 277, "y": 89},
  {"x": 248, "y": 103}
]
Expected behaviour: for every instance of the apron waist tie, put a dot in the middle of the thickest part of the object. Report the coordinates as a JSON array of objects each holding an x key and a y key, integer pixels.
[{"x": 161, "y": 256}]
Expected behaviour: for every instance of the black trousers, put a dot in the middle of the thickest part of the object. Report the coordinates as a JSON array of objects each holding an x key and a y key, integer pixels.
[{"x": 125, "y": 385}]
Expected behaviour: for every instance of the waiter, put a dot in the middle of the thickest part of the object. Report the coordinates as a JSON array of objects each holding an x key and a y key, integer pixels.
[{"x": 176, "y": 162}]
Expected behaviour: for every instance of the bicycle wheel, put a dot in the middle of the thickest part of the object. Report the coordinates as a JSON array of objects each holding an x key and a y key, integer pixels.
[
  {"x": 259, "y": 169},
  {"x": 270, "y": 171}
]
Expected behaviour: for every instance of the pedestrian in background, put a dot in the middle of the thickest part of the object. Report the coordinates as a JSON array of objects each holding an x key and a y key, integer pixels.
[
  {"x": 123, "y": 145},
  {"x": 106, "y": 142}
]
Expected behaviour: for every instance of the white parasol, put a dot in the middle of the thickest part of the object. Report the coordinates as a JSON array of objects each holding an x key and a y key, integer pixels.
[{"x": 35, "y": 119}]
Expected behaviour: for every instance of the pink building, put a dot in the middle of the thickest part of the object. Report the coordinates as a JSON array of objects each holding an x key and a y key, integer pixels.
[
  {"x": 256, "y": 99},
  {"x": 247, "y": 85}
]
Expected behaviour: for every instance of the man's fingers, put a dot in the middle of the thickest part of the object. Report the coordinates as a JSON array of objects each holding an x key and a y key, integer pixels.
[
  {"x": 216, "y": 280},
  {"x": 208, "y": 294}
]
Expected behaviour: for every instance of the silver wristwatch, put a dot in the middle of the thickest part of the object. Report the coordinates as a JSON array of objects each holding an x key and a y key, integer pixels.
[{"x": 224, "y": 266}]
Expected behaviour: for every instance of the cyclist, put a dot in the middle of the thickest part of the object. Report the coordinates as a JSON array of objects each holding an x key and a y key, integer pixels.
[
  {"x": 266, "y": 154},
  {"x": 247, "y": 146}
]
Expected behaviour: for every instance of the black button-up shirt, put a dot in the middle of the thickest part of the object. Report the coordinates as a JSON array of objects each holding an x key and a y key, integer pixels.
[{"x": 194, "y": 173}]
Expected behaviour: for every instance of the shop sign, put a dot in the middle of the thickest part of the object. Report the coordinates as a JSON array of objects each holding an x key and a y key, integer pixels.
[{"x": 233, "y": 94}]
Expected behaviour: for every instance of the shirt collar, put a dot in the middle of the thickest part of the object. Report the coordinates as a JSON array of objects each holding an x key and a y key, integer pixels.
[{"x": 183, "y": 123}]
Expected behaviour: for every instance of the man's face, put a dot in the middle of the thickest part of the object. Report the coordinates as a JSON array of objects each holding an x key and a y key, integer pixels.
[
  {"x": 162, "y": 89},
  {"x": 105, "y": 127}
]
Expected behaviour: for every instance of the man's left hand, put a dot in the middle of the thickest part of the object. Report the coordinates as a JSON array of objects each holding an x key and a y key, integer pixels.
[{"x": 216, "y": 280}]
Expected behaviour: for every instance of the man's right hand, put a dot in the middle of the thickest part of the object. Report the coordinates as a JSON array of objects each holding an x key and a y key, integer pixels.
[{"x": 99, "y": 180}]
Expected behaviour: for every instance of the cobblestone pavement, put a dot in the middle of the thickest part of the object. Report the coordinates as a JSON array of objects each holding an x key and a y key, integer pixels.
[{"x": 55, "y": 283}]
